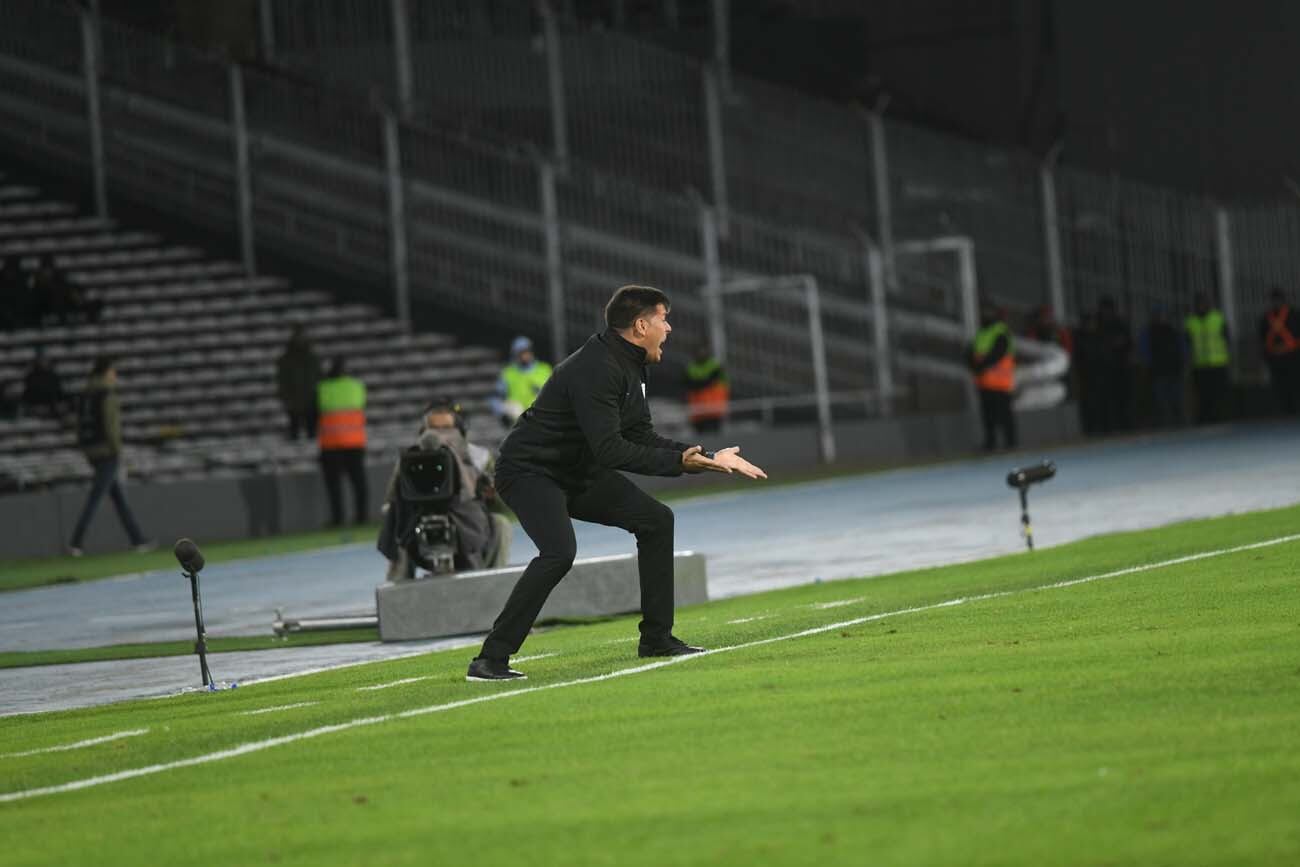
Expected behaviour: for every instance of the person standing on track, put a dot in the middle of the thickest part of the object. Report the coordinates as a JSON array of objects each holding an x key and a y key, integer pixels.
[
  {"x": 992, "y": 360},
  {"x": 561, "y": 461},
  {"x": 1207, "y": 333},
  {"x": 1279, "y": 331},
  {"x": 341, "y": 434}
]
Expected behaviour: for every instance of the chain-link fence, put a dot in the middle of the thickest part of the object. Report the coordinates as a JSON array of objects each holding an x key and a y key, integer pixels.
[{"x": 537, "y": 166}]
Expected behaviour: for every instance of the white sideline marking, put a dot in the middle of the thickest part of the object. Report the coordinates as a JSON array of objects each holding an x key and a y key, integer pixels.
[
  {"x": 258, "y": 746},
  {"x": 279, "y": 707},
  {"x": 394, "y": 683},
  {"x": 749, "y": 619},
  {"x": 838, "y": 603},
  {"x": 78, "y": 745},
  {"x": 531, "y": 658}
]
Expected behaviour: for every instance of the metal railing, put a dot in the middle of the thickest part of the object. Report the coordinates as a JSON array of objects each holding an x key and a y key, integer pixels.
[{"x": 637, "y": 166}]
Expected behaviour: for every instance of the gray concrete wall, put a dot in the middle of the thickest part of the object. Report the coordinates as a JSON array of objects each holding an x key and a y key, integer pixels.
[
  {"x": 38, "y": 524},
  {"x": 469, "y": 602}
]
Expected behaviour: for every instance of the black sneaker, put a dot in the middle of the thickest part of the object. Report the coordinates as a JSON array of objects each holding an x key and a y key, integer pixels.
[
  {"x": 493, "y": 669},
  {"x": 670, "y": 646}
]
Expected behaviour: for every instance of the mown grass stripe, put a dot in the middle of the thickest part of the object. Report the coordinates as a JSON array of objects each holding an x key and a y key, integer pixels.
[{"x": 258, "y": 746}]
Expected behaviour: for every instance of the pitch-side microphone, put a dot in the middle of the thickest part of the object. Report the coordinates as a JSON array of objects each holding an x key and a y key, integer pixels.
[
  {"x": 1026, "y": 476},
  {"x": 188, "y": 555}
]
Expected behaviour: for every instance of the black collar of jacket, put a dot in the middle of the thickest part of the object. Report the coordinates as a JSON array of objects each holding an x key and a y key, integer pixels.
[{"x": 616, "y": 341}]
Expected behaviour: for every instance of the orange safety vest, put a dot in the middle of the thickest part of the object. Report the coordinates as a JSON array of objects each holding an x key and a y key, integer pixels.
[
  {"x": 342, "y": 429},
  {"x": 1002, "y": 375},
  {"x": 1279, "y": 340},
  {"x": 342, "y": 405},
  {"x": 999, "y": 377},
  {"x": 708, "y": 402}
]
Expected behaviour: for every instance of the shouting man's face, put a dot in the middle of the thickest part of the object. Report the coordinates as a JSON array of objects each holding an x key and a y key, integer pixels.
[{"x": 657, "y": 330}]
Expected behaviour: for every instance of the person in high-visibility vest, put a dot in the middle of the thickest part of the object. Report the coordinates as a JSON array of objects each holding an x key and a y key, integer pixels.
[
  {"x": 1207, "y": 334},
  {"x": 992, "y": 360},
  {"x": 707, "y": 391},
  {"x": 1279, "y": 330},
  {"x": 341, "y": 434},
  {"x": 520, "y": 382}
]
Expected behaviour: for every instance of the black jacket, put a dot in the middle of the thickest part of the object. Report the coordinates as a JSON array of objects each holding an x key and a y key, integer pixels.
[{"x": 591, "y": 416}]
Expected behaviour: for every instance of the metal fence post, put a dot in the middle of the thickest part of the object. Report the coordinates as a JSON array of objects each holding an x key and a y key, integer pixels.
[
  {"x": 713, "y": 282},
  {"x": 554, "y": 258},
  {"x": 397, "y": 220},
  {"x": 243, "y": 178},
  {"x": 1227, "y": 275},
  {"x": 884, "y": 204},
  {"x": 1052, "y": 235},
  {"x": 970, "y": 314},
  {"x": 821, "y": 381},
  {"x": 555, "y": 81},
  {"x": 402, "y": 57},
  {"x": 266, "y": 30},
  {"x": 94, "y": 117},
  {"x": 717, "y": 153},
  {"x": 880, "y": 330}
]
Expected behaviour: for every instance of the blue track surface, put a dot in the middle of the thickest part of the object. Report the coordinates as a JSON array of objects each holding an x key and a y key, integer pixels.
[{"x": 765, "y": 538}]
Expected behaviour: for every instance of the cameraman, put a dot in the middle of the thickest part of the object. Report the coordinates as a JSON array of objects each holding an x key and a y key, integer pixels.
[{"x": 483, "y": 534}]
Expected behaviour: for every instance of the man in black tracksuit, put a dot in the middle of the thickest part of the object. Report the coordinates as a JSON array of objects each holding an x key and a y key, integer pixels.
[{"x": 560, "y": 461}]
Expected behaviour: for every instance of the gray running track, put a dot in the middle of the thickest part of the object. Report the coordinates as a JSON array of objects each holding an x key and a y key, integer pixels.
[{"x": 755, "y": 540}]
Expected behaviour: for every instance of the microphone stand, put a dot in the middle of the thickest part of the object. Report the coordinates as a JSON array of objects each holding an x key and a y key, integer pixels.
[
  {"x": 201, "y": 645},
  {"x": 1027, "y": 530}
]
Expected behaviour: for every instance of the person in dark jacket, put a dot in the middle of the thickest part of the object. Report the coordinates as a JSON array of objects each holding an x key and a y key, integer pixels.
[
  {"x": 561, "y": 461},
  {"x": 1089, "y": 374},
  {"x": 1115, "y": 361},
  {"x": 15, "y": 297},
  {"x": 42, "y": 388},
  {"x": 297, "y": 372},
  {"x": 99, "y": 433},
  {"x": 1162, "y": 347}
]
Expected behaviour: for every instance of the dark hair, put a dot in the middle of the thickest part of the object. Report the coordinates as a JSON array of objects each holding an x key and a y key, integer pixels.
[
  {"x": 630, "y": 303},
  {"x": 102, "y": 365},
  {"x": 443, "y": 403},
  {"x": 337, "y": 367}
]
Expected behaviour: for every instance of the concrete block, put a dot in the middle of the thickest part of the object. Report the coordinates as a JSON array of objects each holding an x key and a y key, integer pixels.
[{"x": 469, "y": 602}]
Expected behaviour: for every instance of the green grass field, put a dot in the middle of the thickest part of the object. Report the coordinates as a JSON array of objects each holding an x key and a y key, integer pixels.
[
  {"x": 1148, "y": 717},
  {"x": 28, "y": 658}
]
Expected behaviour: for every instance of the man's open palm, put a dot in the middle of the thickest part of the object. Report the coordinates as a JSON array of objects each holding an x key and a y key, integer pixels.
[{"x": 730, "y": 459}]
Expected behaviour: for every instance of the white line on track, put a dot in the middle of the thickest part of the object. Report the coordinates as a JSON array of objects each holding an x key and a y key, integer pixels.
[
  {"x": 404, "y": 680},
  {"x": 269, "y": 743},
  {"x": 79, "y": 744},
  {"x": 278, "y": 708}
]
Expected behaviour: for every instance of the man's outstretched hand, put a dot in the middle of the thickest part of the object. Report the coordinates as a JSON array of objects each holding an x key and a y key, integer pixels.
[{"x": 726, "y": 460}]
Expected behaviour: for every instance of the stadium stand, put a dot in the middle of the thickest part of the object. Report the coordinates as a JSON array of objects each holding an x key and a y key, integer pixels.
[{"x": 198, "y": 339}]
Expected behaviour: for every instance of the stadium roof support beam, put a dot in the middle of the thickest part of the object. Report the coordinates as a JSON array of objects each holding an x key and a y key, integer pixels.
[
  {"x": 1227, "y": 276},
  {"x": 94, "y": 116},
  {"x": 1052, "y": 233},
  {"x": 555, "y": 82},
  {"x": 884, "y": 373},
  {"x": 397, "y": 240},
  {"x": 884, "y": 205},
  {"x": 243, "y": 173},
  {"x": 402, "y": 58},
  {"x": 554, "y": 258}
]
